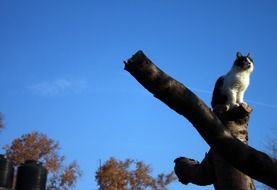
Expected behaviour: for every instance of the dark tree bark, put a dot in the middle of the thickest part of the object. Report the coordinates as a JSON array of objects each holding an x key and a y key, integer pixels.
[
  {"x": 191, "y": 171},
  {"x": 219, "y": 172},
  {"x": 254, "y": 163},
  {"x": 212, "y": 170}
]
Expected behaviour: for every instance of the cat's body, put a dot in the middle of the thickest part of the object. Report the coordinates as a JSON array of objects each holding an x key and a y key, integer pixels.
[{"x": 230, "y": 88}]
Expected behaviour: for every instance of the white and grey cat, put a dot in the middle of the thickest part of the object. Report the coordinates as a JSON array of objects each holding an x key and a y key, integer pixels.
[{"x": 230, "y": 88}]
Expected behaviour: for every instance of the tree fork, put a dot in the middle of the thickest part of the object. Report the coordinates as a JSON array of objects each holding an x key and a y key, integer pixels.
[{"x": 254, "y": 163}]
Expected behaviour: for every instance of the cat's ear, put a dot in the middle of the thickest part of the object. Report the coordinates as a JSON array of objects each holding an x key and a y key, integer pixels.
[
  {"x": 239, "y": 55},
  {"x": 248, "y": 55}
]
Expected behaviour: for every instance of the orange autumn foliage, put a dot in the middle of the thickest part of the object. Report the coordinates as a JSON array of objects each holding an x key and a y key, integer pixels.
[
  {"x": 37, "y": 146},
  {"x": 130, "y": 175}
]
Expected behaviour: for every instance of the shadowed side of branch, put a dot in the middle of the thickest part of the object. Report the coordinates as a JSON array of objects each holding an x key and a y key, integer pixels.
[{"x": 191, "y": 171}]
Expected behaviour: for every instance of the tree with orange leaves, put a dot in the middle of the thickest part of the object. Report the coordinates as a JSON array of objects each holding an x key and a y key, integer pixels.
[
  {"x": 37, "y": 146},
  {"x": 130, "y": 175}
]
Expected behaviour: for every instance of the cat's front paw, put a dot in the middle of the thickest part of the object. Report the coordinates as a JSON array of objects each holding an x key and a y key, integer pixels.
[
  {"x": 234, "y": 105},
  {"x": 243, "y": 104}
]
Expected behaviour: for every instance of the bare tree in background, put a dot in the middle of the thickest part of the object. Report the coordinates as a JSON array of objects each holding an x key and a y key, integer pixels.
[
  {"x": 130, "y": 175},
  {"x": 271, "y": 147},
  {"x": 39, "y": 147},
  {"x": 1, "y": 121}
]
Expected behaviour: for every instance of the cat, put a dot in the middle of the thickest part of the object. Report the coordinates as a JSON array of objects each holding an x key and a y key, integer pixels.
[{"x": 230, "y": 88}]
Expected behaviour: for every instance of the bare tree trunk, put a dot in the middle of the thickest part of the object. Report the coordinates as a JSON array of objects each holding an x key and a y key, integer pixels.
[
  {"x": 220, "y": 173},
  {"x": 215, "y": 132},
  {"x": 212, "y": 170},
  {"x": 236, "y": 121}
]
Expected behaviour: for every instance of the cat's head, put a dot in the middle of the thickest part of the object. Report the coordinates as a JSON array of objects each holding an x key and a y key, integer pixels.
[{"x": 244, "y": 63}]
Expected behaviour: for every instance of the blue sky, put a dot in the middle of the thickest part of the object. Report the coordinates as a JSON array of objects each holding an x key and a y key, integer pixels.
[{"x": 61, "y": 73}]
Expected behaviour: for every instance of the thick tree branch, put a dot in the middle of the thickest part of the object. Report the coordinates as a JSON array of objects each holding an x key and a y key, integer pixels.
[
  {"x": 256, "y": 164},
  {"x": 191, "y": 171},
  {"x": 214, "y": 168}
]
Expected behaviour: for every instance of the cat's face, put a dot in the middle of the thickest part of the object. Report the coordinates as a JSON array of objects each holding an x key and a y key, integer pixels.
[{"x": 244, "y": 62}]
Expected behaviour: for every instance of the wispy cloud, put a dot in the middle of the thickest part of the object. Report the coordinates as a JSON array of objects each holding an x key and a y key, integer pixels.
[
  {"x": 262, "y": 104},
  {"x": 201, "y": 90},
  {"x": 58, "y": 87}
]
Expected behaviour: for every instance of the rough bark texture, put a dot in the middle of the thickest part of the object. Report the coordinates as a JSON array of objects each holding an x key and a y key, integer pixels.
[
  {"x": 236, "y": 121},
  {"x": 254, "y": 163},
  {"x": 220, "y": 173},
  {"x": 214, "y": 169},
  {"x": 191, "y": 171}
]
